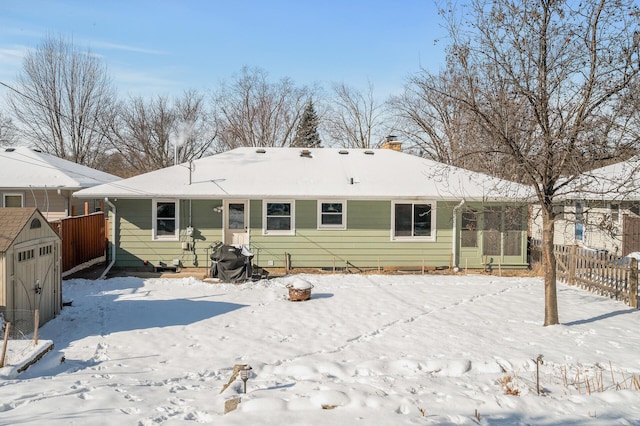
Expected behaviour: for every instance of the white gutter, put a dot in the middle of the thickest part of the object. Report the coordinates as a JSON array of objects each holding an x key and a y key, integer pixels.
[
  {"x": 113, "y": 238},
  {"x": 454, "y": 248}
]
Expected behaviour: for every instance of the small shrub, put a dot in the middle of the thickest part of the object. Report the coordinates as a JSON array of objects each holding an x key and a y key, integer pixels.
[{"x": 508, "y": 385}]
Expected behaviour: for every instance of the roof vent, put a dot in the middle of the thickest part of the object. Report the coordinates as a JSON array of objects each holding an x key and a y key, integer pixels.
[
  {"x": 305, "y": 153},
  {"x": 369, "y": 152},
  {"x": 9, "y": 150},
  {"x": 343, "y": 151},
  {"x": 261, "y": 151}
]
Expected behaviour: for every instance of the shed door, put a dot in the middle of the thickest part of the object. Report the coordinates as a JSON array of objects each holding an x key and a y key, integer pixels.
[
  {"x": 35, "y": 282},
  {"x": 235, "y": 223}
]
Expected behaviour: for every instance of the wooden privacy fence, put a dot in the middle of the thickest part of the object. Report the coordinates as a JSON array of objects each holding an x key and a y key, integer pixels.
[
  {"x": 599, "y": 272},
  {"x": 83, "y": 239}
]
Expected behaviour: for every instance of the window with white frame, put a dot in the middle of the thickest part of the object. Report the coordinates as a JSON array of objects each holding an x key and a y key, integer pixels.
[
  {"x": 12, "y": 200},
  {"x": 614, "y": 212},
  {"x": 413, "y": 221},
  {"x": 278, "y": 217},
  {"x": 332, "y": 215},
  {"x": 165, "y": 219}
]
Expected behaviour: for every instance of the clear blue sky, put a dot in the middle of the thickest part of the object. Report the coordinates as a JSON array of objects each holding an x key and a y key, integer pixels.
[{"x": 164, "y": 47}]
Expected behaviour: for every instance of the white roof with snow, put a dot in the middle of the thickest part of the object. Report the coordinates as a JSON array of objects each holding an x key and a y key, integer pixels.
[
  {"x": 259, "y": 173},
  {"x": 615, "y": 182},
  {"x": 26, "y": 168}
]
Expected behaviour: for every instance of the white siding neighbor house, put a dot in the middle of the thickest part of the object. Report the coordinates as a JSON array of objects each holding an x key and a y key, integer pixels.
[
  {"x": 30, "y": 178},
  {"x": 600, "y": 210}
]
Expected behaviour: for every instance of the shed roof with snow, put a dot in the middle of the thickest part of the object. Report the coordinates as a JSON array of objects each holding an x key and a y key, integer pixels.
[
  {"x": 310, "y": 173},
  {"x": 27, "y": 168}
]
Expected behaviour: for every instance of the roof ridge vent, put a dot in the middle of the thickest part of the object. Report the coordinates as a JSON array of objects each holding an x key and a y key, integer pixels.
[
  {"x": 343, "y": 151},
  {"x": 306, "y": 153},
  {"x": 261, "y": 150},
  {"x": 9, "y": 149},
  {"x": 369, "y": 152}
]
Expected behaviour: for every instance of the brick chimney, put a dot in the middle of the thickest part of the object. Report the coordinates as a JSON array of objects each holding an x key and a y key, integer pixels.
[{"x": 392, "y": 143}]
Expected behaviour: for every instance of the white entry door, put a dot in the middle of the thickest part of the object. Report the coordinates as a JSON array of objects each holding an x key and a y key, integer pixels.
[{"x": 236, "y": 223}]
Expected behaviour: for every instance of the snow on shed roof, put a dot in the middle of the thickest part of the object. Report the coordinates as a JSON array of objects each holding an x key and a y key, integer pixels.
[
  {"x": 312, "y": 173},
  {"x": 24, "y": 168}
]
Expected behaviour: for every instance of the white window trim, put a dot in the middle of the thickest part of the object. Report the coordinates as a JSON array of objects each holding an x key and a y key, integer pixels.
[
  {"x": 342, "y": 226},
  {"x": 614, "y": 209},
  {"x": 431, "y": 238},
  {"x": 292, "y": 231},
  {"x": 154, "y": 223},
  {"x": 12, "y": 194}
]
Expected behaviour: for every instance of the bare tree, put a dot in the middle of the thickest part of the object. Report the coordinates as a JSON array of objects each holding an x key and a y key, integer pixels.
[
  {"x": 546, "y": 81},
  {"x": 62, "y": 100},
  {"x": 431, "y": 123},
  {"x": 7, "y": 131},
  {"x": 252, "y": 111},
  {"x": 355, "y": 119},
  {"x": 436, "y": 125},
  {"x": 149, "y": 133}
]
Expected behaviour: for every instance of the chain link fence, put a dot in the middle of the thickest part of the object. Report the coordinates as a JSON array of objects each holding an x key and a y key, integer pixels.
[{"x": 22, "y": 323}]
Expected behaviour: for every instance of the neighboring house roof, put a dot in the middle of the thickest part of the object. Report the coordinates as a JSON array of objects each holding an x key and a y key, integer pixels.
[
  {"x": 616, "y": 182},
  {"x": 26, "y": 168},
  {"x": 12, "y": 221},
  {"x": 258, "y": 173}
]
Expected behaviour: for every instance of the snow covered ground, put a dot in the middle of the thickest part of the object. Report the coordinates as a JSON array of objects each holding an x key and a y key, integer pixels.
[{"x": 365, "y": 349}]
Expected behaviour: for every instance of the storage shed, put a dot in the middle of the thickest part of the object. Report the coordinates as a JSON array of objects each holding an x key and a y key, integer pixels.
[{"x": 30, "y": 276}]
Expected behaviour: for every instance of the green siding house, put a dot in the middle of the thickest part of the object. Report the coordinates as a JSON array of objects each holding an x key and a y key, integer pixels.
[{"x": 317, "y": 208}]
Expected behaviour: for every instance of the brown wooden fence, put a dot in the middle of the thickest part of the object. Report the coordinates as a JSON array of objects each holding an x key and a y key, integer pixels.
[
  {"x": 83, "y": 239},
  {"x": 602, "y": 273}
]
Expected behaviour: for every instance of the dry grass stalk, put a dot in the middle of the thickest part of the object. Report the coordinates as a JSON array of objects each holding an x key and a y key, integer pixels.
[{"x": 507, "y": 384}]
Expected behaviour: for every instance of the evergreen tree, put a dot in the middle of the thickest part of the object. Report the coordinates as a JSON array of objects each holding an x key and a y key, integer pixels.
[{"x": 307, "y": 131}]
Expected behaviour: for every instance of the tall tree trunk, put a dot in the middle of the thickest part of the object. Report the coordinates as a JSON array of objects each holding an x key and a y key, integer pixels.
[{"x": 549, "y": 262}]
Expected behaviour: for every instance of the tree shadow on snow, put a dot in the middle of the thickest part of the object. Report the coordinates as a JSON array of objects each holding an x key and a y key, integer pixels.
[{"x": 601, "y": 317}]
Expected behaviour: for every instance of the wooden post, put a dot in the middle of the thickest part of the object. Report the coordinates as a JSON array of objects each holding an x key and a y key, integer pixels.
[
  {"x": 573, "y": 263},
  {"x": 633, "y": 284},
  {"x": 36, "y": 323},
  {"x": 499, "y": 267},
  {"x": 7, "y": 328},
  {"x": 287, "y": 262}
]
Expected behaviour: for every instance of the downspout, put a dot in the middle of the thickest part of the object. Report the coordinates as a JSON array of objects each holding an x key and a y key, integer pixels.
[
  {"x": 113, "y": 238},
  {"x": 248, "y": 224},
  {"x": 454, "y": 244}
]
